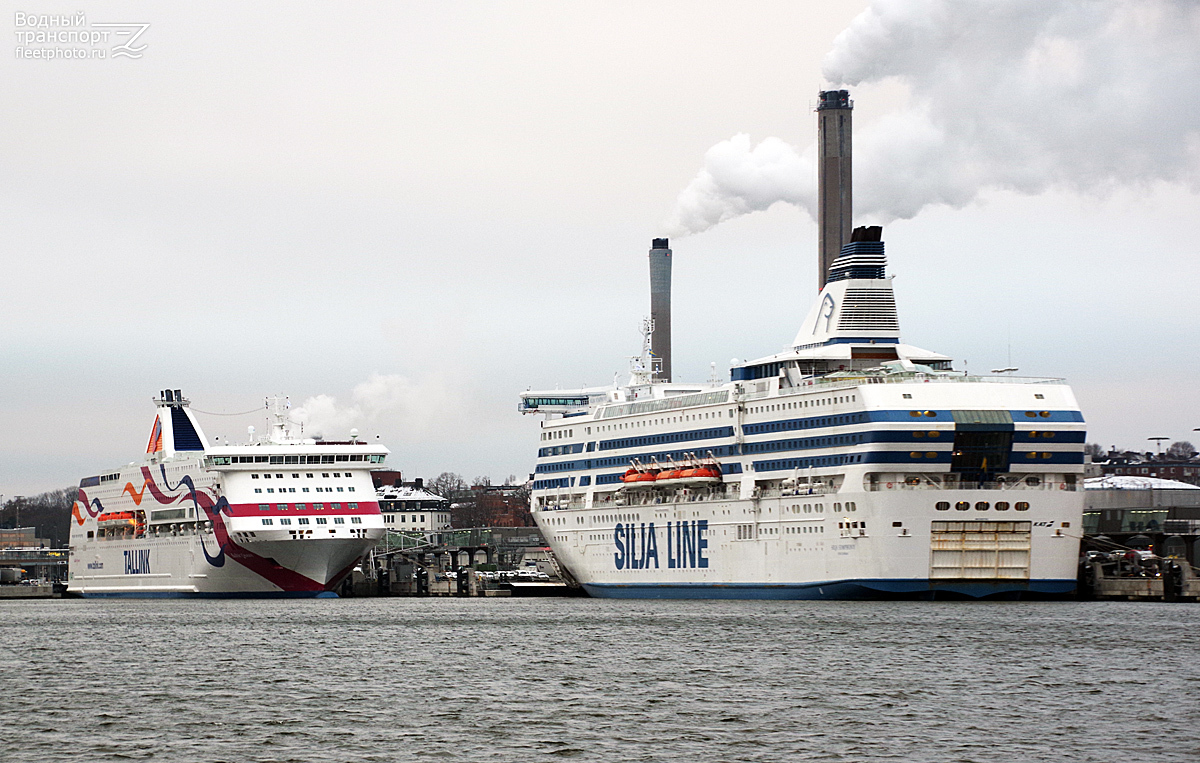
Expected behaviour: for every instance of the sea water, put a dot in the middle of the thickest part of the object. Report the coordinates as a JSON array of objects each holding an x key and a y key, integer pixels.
[{"x": 598, "y": 680}]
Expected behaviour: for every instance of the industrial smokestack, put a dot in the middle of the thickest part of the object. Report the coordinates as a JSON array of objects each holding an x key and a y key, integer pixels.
[
  {"x": 660, "y": 305},
  {"x": 834, "y": 191}
]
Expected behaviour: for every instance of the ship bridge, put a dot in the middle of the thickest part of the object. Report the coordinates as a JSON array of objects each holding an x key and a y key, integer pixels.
[{"x": 853, "y": 326}]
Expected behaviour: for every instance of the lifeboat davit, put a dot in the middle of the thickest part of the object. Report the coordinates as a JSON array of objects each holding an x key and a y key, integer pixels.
[
  {"x": 700, "y": 473},
  {"x": 639, "y": 475}
]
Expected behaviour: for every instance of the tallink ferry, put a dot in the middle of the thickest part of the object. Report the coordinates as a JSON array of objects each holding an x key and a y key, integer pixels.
[
  {"x": 849, "y": 465},
  {"x": 278, "y": 516}
]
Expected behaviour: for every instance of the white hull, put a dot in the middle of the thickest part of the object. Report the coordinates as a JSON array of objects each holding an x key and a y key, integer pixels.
[
  {"x": 772, "y": 548},
  {"x": 178, "y": 566}
]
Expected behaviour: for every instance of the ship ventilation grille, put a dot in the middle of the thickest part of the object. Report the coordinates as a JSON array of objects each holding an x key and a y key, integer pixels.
[{"x": 869, "y": 310}]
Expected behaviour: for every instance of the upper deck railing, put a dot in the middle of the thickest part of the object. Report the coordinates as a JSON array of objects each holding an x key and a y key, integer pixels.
[{"x": 824, "y": 383}]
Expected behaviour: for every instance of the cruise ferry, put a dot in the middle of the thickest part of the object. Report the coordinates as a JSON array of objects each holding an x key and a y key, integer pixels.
[
  {"x": 848, "y": 465},
  {"x": 277, "y": 516}
]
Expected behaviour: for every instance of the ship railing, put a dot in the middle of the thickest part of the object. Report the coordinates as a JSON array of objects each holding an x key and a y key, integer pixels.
[
  {"x": 823, "y": 384},
  {"x": 801, "y": 491},
  {"x": 1022, "y": 485},
  {"x": 660, "y": 498}
]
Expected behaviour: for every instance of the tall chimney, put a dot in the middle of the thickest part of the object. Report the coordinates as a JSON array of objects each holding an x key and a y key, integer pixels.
[
  {"x": 660, "y": 305},
  {"x": 834, "y": 191}
]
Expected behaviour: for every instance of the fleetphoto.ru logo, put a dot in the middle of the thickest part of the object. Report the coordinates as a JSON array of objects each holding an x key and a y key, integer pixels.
[{"x": 50, "y": 35}]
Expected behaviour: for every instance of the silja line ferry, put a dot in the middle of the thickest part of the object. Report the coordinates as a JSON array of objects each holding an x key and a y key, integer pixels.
[
  {"x": 849, "y": 465},
  {"x": 277, "y": 516}
]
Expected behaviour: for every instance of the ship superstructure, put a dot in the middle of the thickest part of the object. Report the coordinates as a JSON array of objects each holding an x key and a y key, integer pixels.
[
  {"x": 280, "y": 515},
  {"x": 850, "y": 464}
]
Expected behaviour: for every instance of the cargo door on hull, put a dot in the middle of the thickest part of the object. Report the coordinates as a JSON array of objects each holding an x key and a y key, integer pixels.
[{"x": 979, "y": 551}]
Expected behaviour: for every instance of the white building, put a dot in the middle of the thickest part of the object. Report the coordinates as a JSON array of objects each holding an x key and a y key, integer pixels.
[{"x": 412, "y": 508}]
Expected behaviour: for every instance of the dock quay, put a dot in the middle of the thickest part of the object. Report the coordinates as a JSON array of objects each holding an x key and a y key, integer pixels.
[
  {"x": 485, "y": 561},
  {"x": 1141, "y": 540},
  {"x": 30, "y": 573}
]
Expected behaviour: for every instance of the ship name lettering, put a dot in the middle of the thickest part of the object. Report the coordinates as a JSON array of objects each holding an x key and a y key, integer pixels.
[
  {"x": 637, "y": 545},
  {"x": 137, "y": 562}
]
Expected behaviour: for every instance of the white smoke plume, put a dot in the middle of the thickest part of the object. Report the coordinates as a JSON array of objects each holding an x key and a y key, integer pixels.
[
  {"x": 738, "y": 179},
  {"x": 415, "y": 407},
  {"x": 1023, "y": 95}
]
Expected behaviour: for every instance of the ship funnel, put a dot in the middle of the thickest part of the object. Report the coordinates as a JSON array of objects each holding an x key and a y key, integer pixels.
[
  {"x": 834, "y": 189},
  {"x": 660, "y": 306}
]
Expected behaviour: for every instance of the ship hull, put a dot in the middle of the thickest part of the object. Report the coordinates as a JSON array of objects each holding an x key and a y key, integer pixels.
[
  {"x": 893, "y": 544},
  {"x": 839, "y": 589},
  {"x": 179, "y": 567}
]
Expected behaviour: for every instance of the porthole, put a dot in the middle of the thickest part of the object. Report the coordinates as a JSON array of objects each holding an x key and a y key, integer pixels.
[
  {"x": 942, "y": 506},
  {"x": 981, "y": 506},
  {"x": 935, "y": 434},
  {"x": 931, "y": 454},
  {"x": 918, "y": 434},
  {"x": 930, "y": 414},
  {"x": 914, "y": 414},
  {"x": 962, "y": 506},
  {"x": 1001, "y": 505},
  {"x": 1021, "y": 506},
  {"x": 1031, "y": 414},
  {"x": 914, "y": 454},
  {"x": 1044, "y": 414}
]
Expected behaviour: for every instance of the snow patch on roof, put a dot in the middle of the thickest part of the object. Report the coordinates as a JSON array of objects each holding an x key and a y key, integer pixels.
[{"x": 1126, "y": 482}]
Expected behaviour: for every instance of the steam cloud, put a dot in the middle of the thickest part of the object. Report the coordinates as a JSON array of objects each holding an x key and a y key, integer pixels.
[
  {"x": 1024, "y": 95},
  {"x": 416, "y": 407}
]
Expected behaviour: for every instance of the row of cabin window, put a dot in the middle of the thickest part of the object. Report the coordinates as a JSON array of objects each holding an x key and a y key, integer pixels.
[
  {"x": 296, "y": 475},
  {"x": 304, "y": 506},
  {"x": 798, "y": 404},
  {"x": 303, "y": 489},
  {"x": 558, "y": 434},
  {"x": 981, "y": 506},
  {"x": 391, "y": 518},
  {"x": 329, "y": 459},
  {"x": 268, "y": 521},
  {"x": 659, "y": 422}
]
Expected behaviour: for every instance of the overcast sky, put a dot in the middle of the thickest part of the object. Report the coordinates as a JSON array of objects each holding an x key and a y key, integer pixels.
[{"x": 401, "y": 215}]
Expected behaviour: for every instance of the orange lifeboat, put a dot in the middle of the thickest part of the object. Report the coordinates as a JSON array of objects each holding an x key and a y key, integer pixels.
[
  {"x": 640, "y": 475},
  {"x": 117, "y": 519},
  {"x": 669, "y": 475},
  {"x": 701, "y": 473}
]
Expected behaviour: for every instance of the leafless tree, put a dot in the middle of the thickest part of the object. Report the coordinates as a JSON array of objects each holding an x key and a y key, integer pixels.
[
  {"x": 447, "y": 485},
  {"x": 1181, "y": 451},
  {"x": 48, "y": 513}
]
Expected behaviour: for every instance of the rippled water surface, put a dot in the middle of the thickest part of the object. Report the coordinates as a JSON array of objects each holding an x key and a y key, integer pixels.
[{"x": 525, "y": 680}]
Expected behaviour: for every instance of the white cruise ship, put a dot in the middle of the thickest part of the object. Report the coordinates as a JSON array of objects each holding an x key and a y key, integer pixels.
[
  {"x": 278, "y": 516},
  {"x": 848, "y": 465}
]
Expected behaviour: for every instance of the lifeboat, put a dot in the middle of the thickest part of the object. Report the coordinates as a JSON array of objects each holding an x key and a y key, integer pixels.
[
  {"x": 117, "y": 519},
  {"x": 700, "y": 473},
  {"x": 670, "y": 474},
  {"x": 640, "y": 475}
]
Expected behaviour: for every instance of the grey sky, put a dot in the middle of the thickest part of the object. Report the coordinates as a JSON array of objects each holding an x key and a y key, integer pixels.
[{"x": 419, "y": 210}]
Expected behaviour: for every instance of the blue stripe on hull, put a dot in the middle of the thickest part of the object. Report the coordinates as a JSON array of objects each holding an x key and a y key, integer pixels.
[
  {"x": 183, "y": 595},
  {"x": 837, "y": 589}
]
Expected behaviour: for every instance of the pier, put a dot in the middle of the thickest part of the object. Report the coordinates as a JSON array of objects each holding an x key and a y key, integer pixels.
[{"x": 485, "y": 561}]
